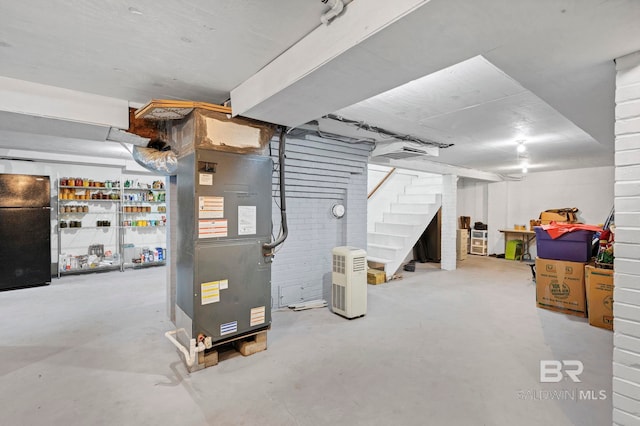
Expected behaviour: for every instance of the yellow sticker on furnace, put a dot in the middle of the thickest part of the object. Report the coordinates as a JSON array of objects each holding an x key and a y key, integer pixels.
[{"x": 210, "y": 292}]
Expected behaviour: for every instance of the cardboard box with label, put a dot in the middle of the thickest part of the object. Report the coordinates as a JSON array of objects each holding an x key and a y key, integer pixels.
[
  {"x": 599, "y": 286},
  {"x": 560, "y": 286}
]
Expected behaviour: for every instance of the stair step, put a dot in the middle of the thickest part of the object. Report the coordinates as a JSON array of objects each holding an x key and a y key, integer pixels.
[
  {"x": 406, "y": 218},
  {"x": 411, "y": 207},
  {"x": 384, "y": 239},
  {"x": 416, "y": 198},
  {"x": 419, "y": 198},
  {"x": 378, "y": 259},
  {"x": 423, "y": 189},
  {"x": 394, "y": 228},
  {"x": 393, "y": 247},
  {"x": 384, "y": 252}
]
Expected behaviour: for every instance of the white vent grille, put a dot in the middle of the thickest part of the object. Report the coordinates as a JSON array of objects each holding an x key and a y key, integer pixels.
[
  {"x": 338, "y": 264},
  {"x": 358, "y": 264},
  {"x": 338, "y": 297}
]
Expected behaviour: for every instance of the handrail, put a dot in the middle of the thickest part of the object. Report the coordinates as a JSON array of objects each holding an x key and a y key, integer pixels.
[{"x": 381, "y": 182}]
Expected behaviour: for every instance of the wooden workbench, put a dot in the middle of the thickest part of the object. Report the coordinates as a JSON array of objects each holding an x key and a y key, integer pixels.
[{"x": 525, "y": 236}]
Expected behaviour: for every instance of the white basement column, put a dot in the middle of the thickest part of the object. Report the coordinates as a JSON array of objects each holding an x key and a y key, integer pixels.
[
  {"x": 626, "y": 308},
  {"x": 449, "y": 222}
]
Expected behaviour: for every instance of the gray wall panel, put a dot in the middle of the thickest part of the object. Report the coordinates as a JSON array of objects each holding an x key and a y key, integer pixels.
[{"x": 319, "y": 173}]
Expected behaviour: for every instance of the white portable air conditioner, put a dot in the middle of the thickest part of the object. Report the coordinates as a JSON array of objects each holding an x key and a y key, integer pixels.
[{"x": 349, "y": 282}]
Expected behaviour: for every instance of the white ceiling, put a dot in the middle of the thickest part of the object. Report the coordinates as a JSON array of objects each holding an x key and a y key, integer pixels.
[
  {"x": 484, "y": 113},
  {"x": 539, "y": 70},
  {"x": 144, "y": 49}
]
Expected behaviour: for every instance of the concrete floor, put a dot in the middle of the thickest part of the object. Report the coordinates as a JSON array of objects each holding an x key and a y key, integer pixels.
[{"x": 436, "y": 348}]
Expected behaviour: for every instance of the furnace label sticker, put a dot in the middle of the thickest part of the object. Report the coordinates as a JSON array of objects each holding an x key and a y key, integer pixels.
[
  {"x": 224, "y": 284},
  {"x": 210, "y": 207},
  {"x": 210, "y": 292},
  {"x": 206, "y": 179},
  {"x": 228, "y": 328},
  {"x": 257, "y": 316},
  {"x": 209, "y": 228},
  {"x": 246, "y": 220}
]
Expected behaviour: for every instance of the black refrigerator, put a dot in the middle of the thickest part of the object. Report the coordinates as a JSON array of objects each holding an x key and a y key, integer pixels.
[{"x": 25, "y": 231}]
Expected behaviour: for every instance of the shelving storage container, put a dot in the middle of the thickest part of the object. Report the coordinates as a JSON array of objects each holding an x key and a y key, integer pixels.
[
  {"x": 87, "y": 222},
  {"x": 143, "y": 224},
  {"x": 99, "y": 221},
  {"x": 479, "y": 243}
]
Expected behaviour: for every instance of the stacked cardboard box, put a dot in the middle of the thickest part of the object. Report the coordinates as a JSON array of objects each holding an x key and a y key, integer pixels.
[
  {"x": 573, "y": 287},
  {"x": 599, "y": 286},
  {"x": 560, "y": 286},
  {"x": 375, "y": 276},
  {"x": 560, "y": 271}
]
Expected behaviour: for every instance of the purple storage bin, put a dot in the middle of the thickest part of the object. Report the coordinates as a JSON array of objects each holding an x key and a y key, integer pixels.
[{"x": 573, "y": 246}]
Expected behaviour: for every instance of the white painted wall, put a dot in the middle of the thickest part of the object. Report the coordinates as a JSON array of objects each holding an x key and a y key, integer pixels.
[
  {"x": 626, "y": 307},
  {"x": 375, "y": 175},
  {"x": 497, "y": 206},
  {"x": 473, "y": 199},
  {"x": 516, "y": 202}
]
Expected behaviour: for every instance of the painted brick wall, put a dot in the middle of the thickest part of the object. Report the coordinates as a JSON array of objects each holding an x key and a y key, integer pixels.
[
  {"x": 449, "y": 222},
  {"x": 626, "y": 354},
  {"x": 319, "y": 174}
]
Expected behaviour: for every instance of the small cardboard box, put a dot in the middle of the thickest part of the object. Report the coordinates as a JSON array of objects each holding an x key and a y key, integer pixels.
[
  {"x": 560, "y": 286},
  {"x": 599, "y": 285},
  {"x": 375, "y": 276}
]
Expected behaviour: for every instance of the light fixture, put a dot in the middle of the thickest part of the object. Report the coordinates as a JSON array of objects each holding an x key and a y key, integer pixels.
[
  {"x": 521, "y": 148},
  {"x": 524, "y": 169}
]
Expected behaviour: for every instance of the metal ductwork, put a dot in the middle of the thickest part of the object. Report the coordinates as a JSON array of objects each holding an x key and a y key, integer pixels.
[
  {"x": 161, "y": 162},
  {"x": 401, "y": 149}
]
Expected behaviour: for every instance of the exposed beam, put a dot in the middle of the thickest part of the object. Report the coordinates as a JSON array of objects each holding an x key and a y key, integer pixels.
[
  {"x": 129, "y": 166},
  {"x": 325, "y": 44},
  {"x": 39, "y": 100},
  {"x": 439, "y": 168}
]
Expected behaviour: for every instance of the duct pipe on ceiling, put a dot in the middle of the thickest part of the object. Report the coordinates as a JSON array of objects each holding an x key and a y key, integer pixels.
[
  {"x": 162, "y": 162},
  {"x": 336, "y": 9}
]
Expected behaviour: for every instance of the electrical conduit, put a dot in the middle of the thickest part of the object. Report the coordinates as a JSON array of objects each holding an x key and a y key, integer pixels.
[{"x": 336, "y": 8}]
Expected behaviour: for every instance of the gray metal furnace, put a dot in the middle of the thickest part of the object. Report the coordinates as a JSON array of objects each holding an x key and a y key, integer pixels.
[{"x": 223, "y": 286}]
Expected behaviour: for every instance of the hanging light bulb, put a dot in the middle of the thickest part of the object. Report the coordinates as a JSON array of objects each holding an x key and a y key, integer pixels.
[{"x": 524, "y": 169}]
